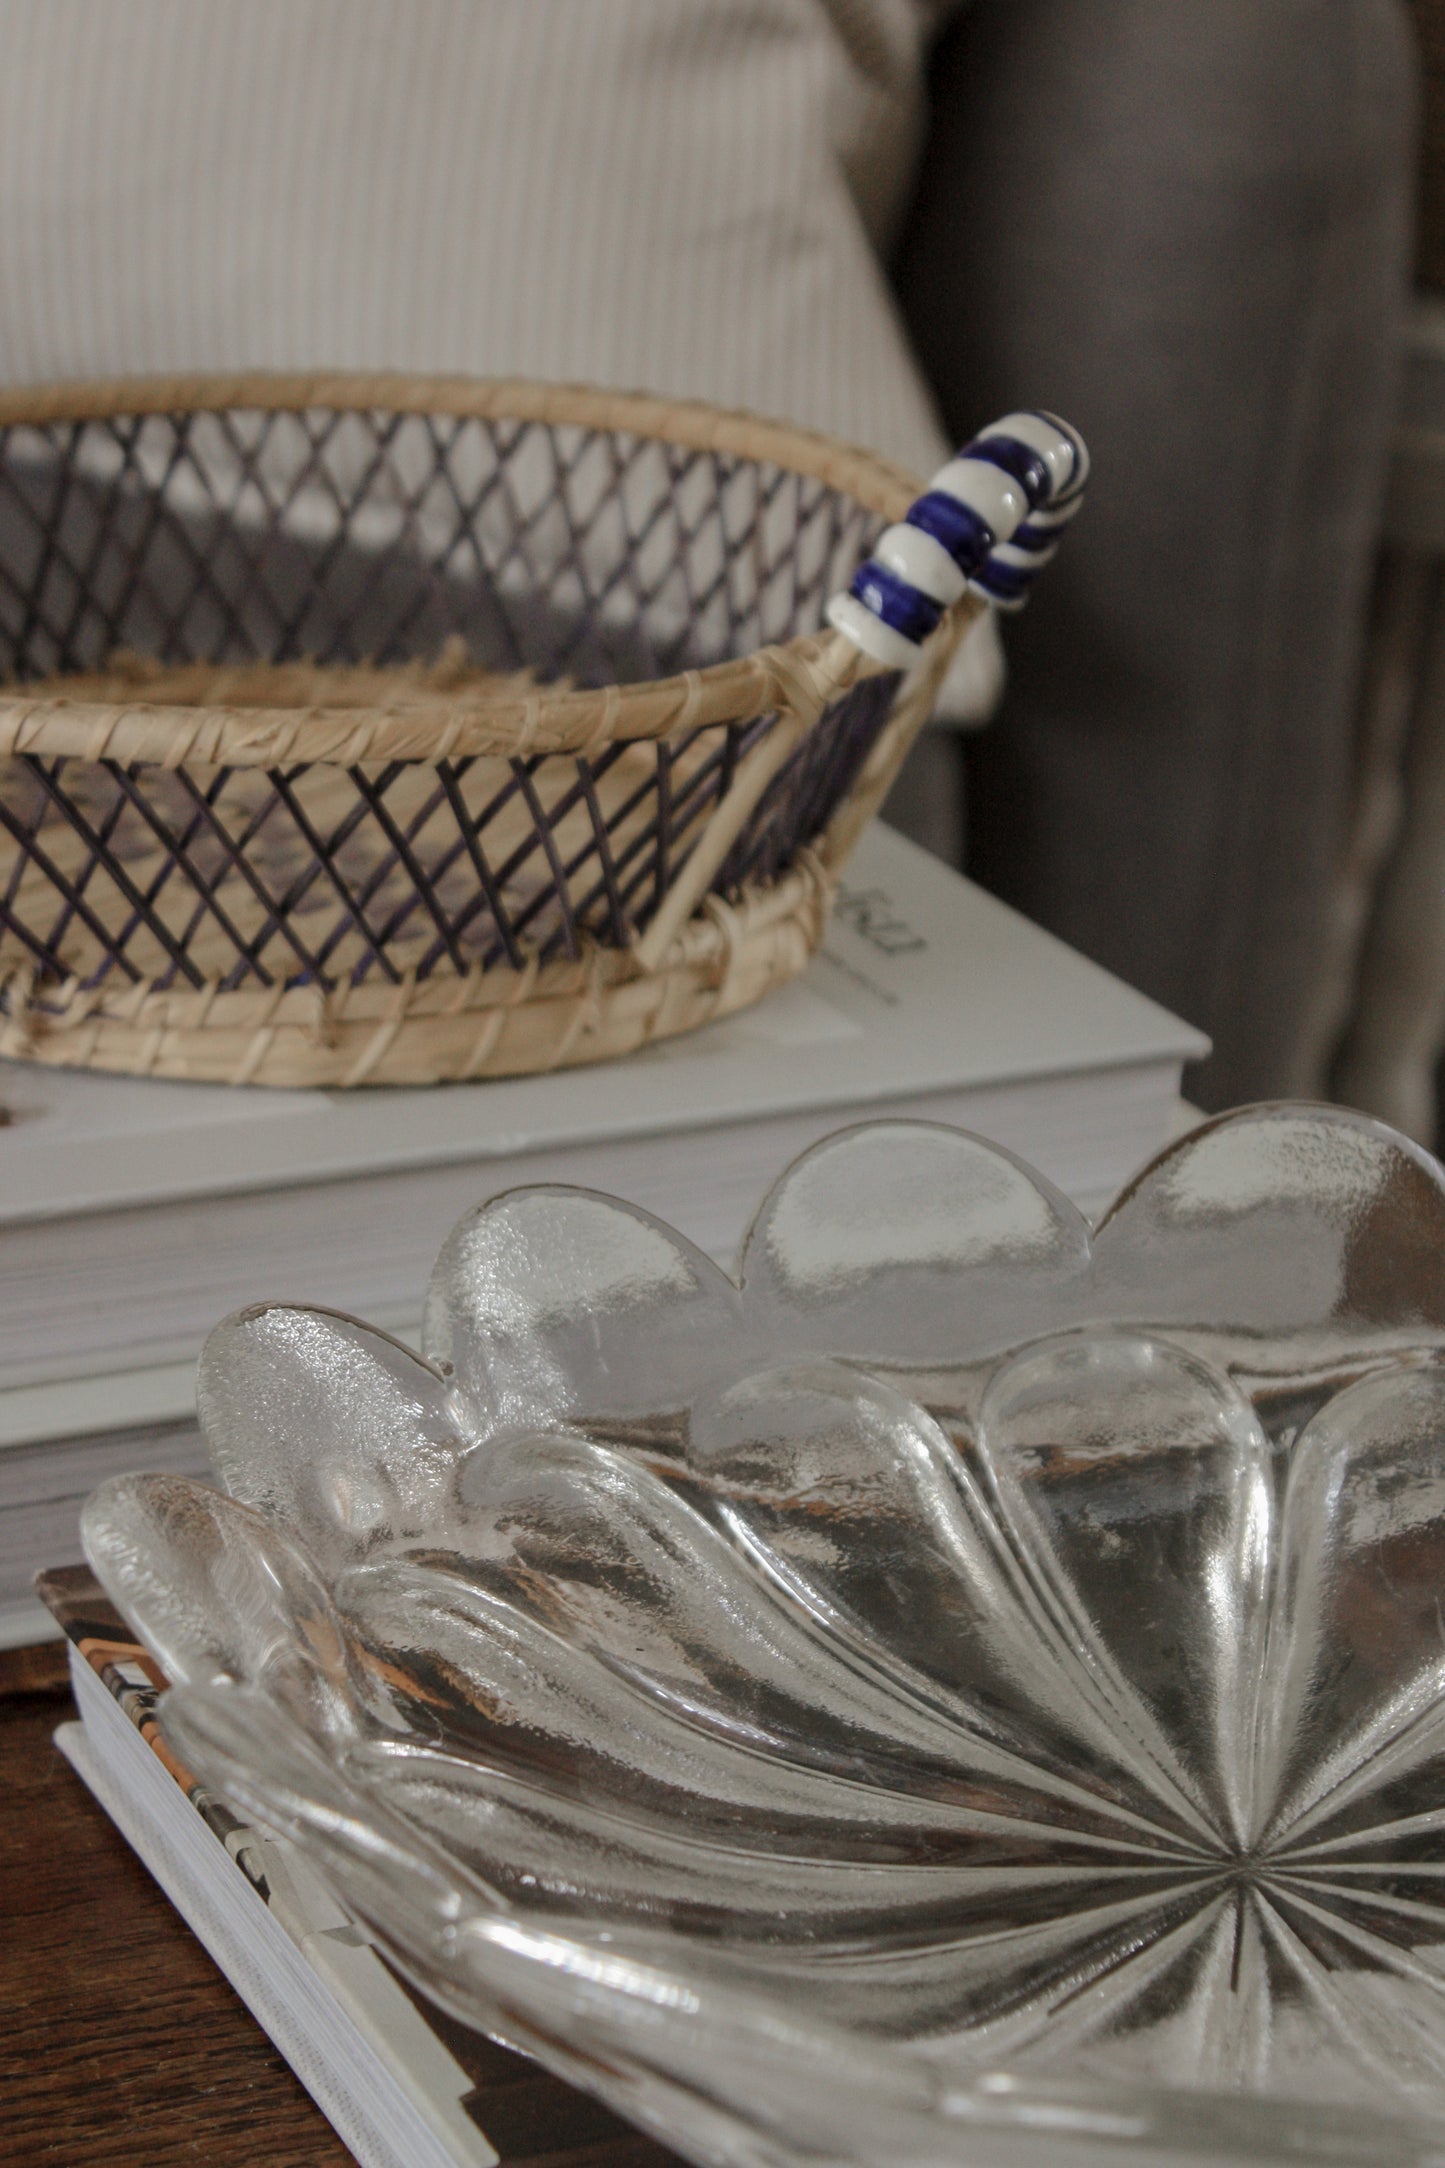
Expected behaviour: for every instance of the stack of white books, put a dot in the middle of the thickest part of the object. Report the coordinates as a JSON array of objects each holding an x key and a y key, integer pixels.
[{"x": 135, "y": 1214}]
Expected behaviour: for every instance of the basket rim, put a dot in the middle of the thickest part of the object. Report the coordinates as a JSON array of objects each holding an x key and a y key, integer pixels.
[
  {"x": 800, "y": 675},
  {"x": 883, "y": 485}
]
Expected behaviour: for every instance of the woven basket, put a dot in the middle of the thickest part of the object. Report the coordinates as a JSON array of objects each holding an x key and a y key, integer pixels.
[{"x": 378, "y": 731}]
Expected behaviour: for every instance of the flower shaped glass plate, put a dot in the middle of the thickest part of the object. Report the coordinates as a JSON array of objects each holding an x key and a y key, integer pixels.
[{"x": 970, "y": 1690}]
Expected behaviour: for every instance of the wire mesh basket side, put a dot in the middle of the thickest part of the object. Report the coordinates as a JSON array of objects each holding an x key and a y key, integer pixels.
[
  {"x": 115, "y": 875},
  {"x": 349, "y": 536}
]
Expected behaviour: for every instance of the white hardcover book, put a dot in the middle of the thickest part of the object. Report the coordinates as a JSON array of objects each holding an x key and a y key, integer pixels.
[{"x": 134, "y": 1214}]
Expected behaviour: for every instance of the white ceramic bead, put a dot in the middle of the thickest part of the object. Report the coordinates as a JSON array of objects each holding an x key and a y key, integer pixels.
[
  {"x": 987, "y": 490},
  {"x": 923, "y": 562},
  {"x": 1023, "y": 558},
  {"x": 1048, "y": 516},
  {"x": 1063, "y": 455},
  {"x": 847, "y": 614},
  {"x": 1006, "y": 605}
]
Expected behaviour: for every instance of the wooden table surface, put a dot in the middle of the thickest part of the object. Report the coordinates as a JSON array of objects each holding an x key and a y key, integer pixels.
[{"x": 121, "y": 2043}]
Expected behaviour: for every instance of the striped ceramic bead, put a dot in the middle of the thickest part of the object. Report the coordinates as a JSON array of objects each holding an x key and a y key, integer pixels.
[{"x": 990, "y": 521}]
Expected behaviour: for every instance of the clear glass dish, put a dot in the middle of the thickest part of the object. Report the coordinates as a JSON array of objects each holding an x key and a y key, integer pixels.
[{"x": 972, "y": 1690}]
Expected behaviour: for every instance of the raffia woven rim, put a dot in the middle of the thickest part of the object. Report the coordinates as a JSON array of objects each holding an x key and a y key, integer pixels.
[
  {"x": 801, "y": 675},
  {"x": 444, "y": 1028}
]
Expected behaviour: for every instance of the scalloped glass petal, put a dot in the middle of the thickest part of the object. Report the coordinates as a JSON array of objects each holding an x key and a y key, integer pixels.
[{"x": 972, "y": 1689}]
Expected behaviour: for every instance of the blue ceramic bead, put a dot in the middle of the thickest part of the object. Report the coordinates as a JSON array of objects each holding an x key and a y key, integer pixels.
[
  {"x": 1005, "y": 583},
  {"x": 1026, "y": 465},
  {"x": 967, "y": 538}
]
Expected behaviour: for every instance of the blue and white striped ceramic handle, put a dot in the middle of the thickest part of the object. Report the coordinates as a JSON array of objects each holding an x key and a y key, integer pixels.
[{"x": 990, "y": 521}]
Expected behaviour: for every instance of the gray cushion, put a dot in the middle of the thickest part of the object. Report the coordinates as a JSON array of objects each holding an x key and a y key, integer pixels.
[{"x": 1188, "y": 229}]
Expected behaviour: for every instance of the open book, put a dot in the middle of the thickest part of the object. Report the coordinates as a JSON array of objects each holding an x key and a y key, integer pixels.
[{"x": 404, "y": 2085}]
